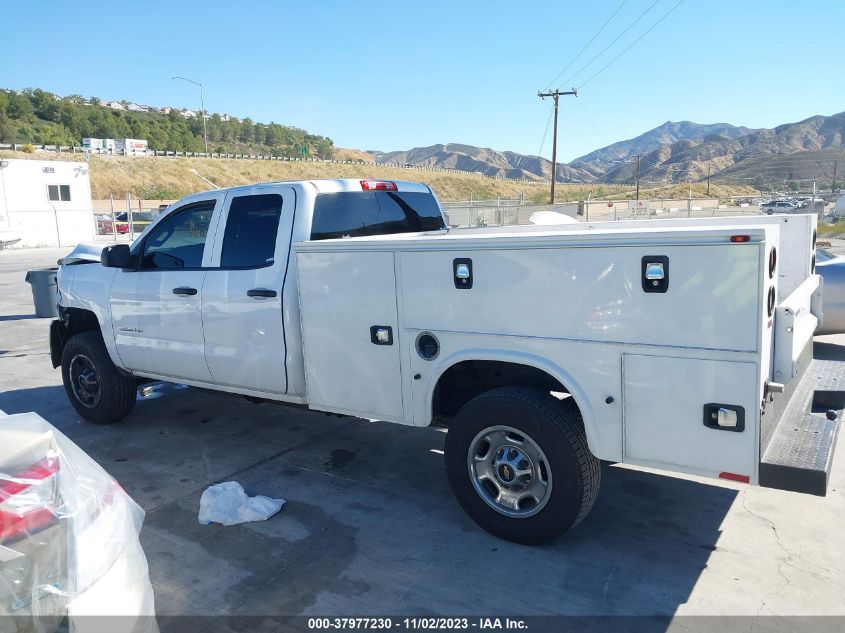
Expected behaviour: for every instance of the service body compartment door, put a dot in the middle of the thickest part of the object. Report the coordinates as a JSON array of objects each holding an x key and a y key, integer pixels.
[
  {"x": 665, "y": 404},
  {"x": 346, "y": 299}
]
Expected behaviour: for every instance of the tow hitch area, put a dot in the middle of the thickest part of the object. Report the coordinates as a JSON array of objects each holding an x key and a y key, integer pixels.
[{"x": 797, "y": 448}]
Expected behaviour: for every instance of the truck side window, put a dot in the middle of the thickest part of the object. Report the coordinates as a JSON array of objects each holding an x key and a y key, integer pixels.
[
  {"x": 356, "y": 214},
  {"x": 178, "y": 241},
  {"x": 250, "y": 238}
]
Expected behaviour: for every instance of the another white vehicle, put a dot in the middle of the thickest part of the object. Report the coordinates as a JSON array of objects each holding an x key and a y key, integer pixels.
[
  {"x": 778, "y": 206},
  {"x": 685, "y": 347},
  {"x": 839, "y": 207},
  {"x": 68, "y": 538}
]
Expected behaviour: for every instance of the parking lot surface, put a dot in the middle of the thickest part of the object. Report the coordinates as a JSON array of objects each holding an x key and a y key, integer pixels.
[{"x": 371, "y": 526}]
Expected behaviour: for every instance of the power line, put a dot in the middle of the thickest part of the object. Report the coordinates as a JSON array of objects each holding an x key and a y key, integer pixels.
[
  {"x": 632, "y": 44},
  {"x": 587, "y": 45},
  {"x": 616, "y": 39},
  {"x": 596, "y": 130},
  {"x": 543, "y": 142}
]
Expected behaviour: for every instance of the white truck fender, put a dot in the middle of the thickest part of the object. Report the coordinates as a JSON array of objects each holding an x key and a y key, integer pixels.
[{"x": 517, "y": 358}]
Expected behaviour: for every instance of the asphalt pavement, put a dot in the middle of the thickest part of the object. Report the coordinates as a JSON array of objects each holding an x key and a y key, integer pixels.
[{"x": 371, "y": 526}]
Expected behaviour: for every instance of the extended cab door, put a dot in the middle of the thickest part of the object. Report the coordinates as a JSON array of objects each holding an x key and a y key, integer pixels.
[
  {"x": 156, "y": 301},
  {"x": 245, "y": 344}
]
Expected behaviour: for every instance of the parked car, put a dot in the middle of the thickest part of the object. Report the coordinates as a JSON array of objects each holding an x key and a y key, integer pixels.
[
  {"x": 779, "y": 206},
  {"x": 106, "y": 226},
  {"x": 68, "y": 535},
  {"x": 832, "y": 269}
]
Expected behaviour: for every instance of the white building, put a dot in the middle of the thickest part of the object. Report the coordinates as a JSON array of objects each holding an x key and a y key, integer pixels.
[
  {"x": 130, "y": 146},
  {"x": 45, "y": 203}
]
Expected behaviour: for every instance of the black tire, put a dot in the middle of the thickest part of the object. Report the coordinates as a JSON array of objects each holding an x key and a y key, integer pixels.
[
  {"x": 556, "y": 428},
  {"x": 115, "y": 393}
]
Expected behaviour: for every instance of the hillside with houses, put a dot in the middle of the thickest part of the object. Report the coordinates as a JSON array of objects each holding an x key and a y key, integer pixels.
[{"x": 43, "y": 118}]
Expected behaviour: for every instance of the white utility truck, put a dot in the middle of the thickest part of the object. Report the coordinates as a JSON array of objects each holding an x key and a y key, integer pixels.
[{"x": 543, "y": 351}]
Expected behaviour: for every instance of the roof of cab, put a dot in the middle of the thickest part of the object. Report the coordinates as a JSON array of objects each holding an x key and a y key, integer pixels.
[{"x": 327, "y": 185}]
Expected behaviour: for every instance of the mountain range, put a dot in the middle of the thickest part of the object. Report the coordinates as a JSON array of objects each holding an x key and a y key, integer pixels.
[{"x": 672, "y": 152}]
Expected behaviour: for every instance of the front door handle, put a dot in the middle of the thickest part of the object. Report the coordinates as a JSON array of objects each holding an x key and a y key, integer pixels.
[
  {"x": 260, "y": 292},
  {"x": 185, "y": 291}
]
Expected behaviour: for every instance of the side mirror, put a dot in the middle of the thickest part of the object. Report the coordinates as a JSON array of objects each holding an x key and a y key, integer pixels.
[{"x": 115, "y": 256}]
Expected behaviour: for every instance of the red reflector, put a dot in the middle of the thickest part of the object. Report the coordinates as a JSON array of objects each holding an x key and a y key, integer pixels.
[
  {"x": 740, "y": 238},
  {"x": 36, "y": 472},
  {"x": 13, "y": 524},
  {"x": 734, "y": 477},
  {"x": 379, "y": 185}
]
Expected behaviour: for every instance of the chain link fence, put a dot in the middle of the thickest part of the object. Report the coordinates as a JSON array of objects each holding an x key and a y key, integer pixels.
[
  {"x": 121, "y": 219},
  {"x": 482, "y": 213}
]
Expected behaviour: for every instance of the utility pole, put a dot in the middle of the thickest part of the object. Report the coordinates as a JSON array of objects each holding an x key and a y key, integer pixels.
[
  {"x": 555, "y": 94},
  {"x": 708, "y": 180},
  {"x": 833, "y": 183},
  {"x": 638, "y": 176}
]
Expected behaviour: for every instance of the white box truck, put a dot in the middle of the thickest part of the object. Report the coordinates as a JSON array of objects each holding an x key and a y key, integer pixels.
[{"x": 542, "y": 351}]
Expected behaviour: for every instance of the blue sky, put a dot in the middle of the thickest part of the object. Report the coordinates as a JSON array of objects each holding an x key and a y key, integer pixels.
[{"x": 393, "y": 75}]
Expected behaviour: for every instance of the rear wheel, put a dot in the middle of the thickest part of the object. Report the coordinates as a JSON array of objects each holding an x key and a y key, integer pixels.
[
  {"x": 519, "y": 465},
  {"x": 97, "y": 390}
]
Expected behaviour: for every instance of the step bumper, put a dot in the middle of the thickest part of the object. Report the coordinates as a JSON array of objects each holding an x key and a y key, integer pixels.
[{"x": 797, "y": 452}]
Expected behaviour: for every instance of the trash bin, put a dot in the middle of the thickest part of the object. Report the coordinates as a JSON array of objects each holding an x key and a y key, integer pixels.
[{"x": 43, "y": 284}]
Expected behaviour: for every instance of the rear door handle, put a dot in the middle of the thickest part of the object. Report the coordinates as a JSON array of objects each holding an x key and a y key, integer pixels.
[
  {"x": 183, "y": 290},
  {"x": 260, "y": 292}
]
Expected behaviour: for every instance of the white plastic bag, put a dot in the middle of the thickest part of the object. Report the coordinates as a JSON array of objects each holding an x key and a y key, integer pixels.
[{"x": 228, "y": 504}]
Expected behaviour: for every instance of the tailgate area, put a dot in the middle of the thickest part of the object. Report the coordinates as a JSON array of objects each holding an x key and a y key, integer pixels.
[{"x": 799, "y": 427}]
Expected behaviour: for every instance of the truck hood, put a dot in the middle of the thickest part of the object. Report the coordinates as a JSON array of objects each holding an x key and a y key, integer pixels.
[{"x": 83, "y": 253}]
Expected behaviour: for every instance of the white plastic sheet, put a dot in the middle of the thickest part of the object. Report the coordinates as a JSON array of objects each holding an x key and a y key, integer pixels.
[
  {"x": 68, "y": 537},
  {"x": 228, "y": 503}
]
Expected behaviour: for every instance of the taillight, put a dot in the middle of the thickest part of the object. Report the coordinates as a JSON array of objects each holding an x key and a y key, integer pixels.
[
  {"x": 770, "y": 303},
  {"x": 379, "y": 185},
  {"x": 740, "y": 239},
  {"x": 773, "y": 261},
  {"x": 28, "y": 499}
]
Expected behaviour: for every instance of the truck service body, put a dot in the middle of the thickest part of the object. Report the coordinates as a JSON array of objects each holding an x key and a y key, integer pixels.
[{"x": 679, "y": 345}]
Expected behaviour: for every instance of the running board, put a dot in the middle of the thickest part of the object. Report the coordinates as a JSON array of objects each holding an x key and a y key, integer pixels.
[{"x": 797, "y": 453}]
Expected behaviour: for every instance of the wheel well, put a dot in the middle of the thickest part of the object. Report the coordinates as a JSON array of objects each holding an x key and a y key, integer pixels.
[
  {"x": 77, "y": 320},
  {"x": 465, "y": 380}
]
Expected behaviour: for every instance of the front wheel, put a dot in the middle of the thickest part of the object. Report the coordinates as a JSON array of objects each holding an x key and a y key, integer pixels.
[
  {"x": 97, "y": 390},
  {"x": 518, "y": 462}
]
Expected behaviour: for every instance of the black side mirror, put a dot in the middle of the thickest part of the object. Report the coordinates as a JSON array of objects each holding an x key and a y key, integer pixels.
[{"x": 115, "y": 256}]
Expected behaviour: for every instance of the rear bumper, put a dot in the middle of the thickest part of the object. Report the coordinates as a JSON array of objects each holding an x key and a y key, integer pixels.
[{"x": 800, "y": 427}]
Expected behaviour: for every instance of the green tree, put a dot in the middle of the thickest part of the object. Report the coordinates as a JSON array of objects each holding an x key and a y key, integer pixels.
[
  {"x": 20, "y": 108},
  {"x": 247, "y": 133},
  {"x": 45, "y": 105},
  {"x": 8, "y": 131}
]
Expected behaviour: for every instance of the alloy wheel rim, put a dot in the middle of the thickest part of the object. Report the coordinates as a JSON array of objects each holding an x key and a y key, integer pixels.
[
  {"x": 509, "y": 471},
  {"x": 84, "y": 381}
]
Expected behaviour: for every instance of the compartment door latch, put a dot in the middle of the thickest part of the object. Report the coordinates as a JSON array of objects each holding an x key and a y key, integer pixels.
[
  {"x": 655, "y": 273},
  {"x": 462, "y": 270},
  {"x": 724, "y": 417}
]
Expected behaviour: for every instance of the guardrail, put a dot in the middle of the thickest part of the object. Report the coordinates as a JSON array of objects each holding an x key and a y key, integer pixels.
[{"x": 231, "y": 156}]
